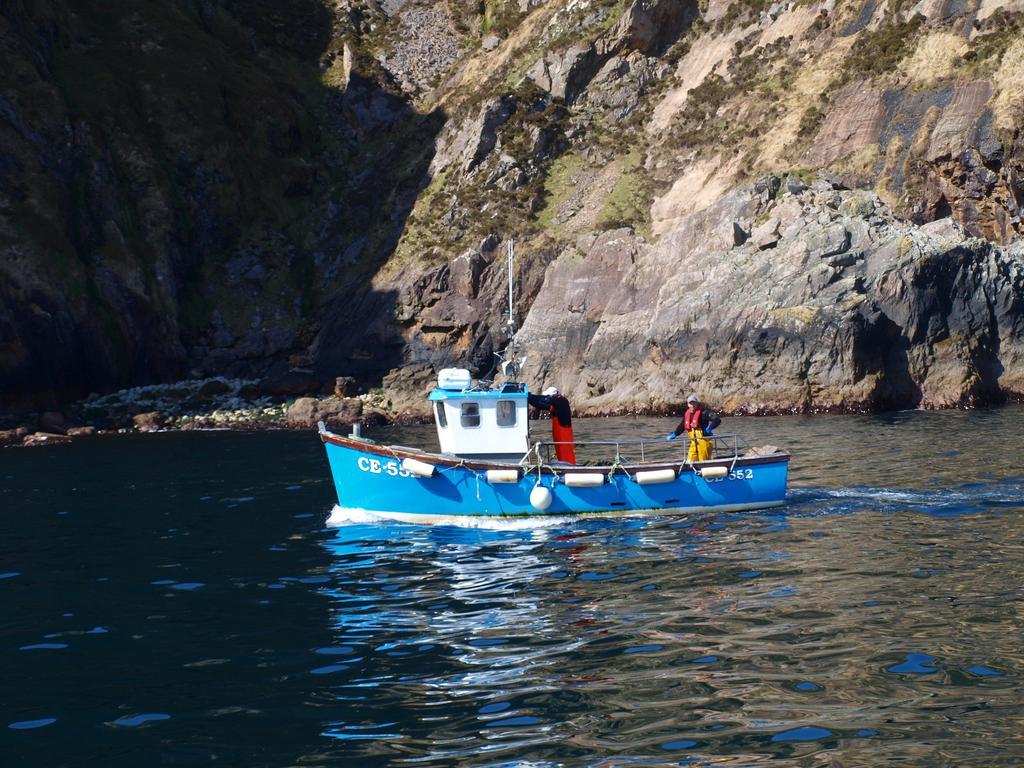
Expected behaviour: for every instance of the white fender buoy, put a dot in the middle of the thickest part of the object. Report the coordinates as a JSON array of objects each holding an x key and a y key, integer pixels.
[
  {"x": 502, "y": 476},
  {"x": 418, "y": 468},
  {"x": 540, "y": 497},
  {"x": 583, "y": 479},
  {"x": 655, "y": 476},
  {"x": 713, "y": 473}
]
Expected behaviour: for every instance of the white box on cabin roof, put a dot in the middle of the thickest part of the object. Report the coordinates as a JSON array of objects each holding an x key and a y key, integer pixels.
[{"x": 456, "y": 379}]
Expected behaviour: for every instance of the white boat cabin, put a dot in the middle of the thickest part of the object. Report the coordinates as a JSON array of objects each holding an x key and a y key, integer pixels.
[{"x": 480, "y": 423}]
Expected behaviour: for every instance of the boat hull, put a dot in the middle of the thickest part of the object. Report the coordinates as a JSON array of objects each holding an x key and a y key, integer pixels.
[{"x": 370, "y": 478}]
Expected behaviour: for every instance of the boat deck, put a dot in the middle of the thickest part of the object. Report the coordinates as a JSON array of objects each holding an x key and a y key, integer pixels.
[{"x": 608, "y": 456}]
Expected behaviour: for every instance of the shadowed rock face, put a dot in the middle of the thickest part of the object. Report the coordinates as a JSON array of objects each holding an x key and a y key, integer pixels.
[{"x": 180, "y": 193}]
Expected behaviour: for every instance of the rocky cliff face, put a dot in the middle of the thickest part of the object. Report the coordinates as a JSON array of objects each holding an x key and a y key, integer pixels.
[
  {"x": 183, "y": 185},
  {"x": 817, "y": 300},
  {"x": 787, "y": 206}
]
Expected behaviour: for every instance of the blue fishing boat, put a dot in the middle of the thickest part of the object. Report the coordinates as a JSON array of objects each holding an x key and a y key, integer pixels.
[{"x": 489, "y": 465}]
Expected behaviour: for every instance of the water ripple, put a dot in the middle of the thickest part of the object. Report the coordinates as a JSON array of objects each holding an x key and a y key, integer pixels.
[
  {"x": 872, "y": 621},
  {"x": 767, "y": 635}
]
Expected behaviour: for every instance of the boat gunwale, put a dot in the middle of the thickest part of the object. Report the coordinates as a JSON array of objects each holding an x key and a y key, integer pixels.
[{"x": 403, "y": 452}]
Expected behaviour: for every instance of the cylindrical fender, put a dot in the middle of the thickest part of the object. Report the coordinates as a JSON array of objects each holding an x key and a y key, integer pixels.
[
  {"x": 713, "y": 473},
  {"x": 655, "y": 476},
  {"x": 583, "y": 479},
  {"x": 418, "y": 468},
  {"x": 502, "y": 476}
]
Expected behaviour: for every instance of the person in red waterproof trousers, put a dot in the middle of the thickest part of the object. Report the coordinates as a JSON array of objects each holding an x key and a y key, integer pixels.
[{"x": 561, "y": 421}]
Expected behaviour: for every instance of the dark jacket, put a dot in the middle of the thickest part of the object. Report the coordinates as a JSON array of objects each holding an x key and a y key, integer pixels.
[
  {"x": 707, "y": 419},
  {"x": 562, "y": 409}
]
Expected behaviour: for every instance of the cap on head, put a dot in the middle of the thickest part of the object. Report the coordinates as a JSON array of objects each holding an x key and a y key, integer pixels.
[
  {"x": 693, "y": 399},
  {"x": 550, "y": 391}
]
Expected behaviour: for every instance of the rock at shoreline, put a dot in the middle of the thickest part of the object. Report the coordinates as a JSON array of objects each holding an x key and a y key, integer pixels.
[
  {"x": 53, "y": 423},
  {"x": 289, "y": 383},
  {"x": 833, "y": 305},
  {"x": 214, "y": 387},
  {"x": 335, "y": 412},
  {"x": 375, "y": 417},
  {"x": 406, "y": 388},
  {"x": 44, "y": 438},
  {"x": 81, "y": 431},
  {"x": 13, "y": 436},
  {"x": 345, "y": 386},
  {"x": 149, "y": 422}
]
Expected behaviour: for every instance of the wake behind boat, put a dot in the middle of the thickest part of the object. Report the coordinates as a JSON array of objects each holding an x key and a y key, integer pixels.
[{"x": 489, "y": 465}]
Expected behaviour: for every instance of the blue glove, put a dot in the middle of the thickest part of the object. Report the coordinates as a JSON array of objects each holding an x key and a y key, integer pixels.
[
  {"x": 673, "y": 436},
  {"x": 708, "y": 433}
]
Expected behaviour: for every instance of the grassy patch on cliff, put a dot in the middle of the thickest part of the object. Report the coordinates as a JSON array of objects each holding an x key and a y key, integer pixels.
[
  {"x": 558, "y": 185},
  {"x": 498, "y": 196},
  {"x": 741, "y": 12},
  {"x": 578, "y": 26},
  {"x": 582, "y": 24},
  {"x": 498, "y": 17},
  {"x": 733, "y": 112},
  {"x": 628, "y": 204},
  {"x": 421, "y": 234},
  {"x": 879, "y": 51},
  {"x": 998, "y": 33}
]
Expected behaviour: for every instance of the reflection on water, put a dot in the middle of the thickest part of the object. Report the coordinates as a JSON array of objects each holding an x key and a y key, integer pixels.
[
  {"x": 884, "y": 637},
  {"x": 875, "y": 618},
  {"x": 176, "y": 600}
]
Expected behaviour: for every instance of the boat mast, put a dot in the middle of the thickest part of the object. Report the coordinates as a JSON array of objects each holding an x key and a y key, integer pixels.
[
  {"x": 511, "y": 363},
  {"x": 511, "y": 302}
]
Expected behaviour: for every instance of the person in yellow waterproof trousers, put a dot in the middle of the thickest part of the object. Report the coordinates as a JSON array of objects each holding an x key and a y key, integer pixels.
[{"x": 697, "y": 424}]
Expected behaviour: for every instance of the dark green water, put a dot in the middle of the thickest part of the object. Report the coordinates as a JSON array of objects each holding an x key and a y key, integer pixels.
[{"x": 175, "y": 600}]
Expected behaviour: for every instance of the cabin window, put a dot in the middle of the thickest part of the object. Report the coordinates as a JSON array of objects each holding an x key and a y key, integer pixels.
[
  {"x": 442, "y": 418},
  {"x": 470, "y": 415},
  {"x": 506, "y": 413}
]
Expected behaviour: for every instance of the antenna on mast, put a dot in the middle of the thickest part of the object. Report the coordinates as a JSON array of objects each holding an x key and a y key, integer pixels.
[
  {"x": 511, "y": 278},
  {"x": 511, "y": 363}
]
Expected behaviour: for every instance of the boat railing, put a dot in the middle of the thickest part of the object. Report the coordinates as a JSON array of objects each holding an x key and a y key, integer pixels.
[{"x": 644, "y": 450}]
